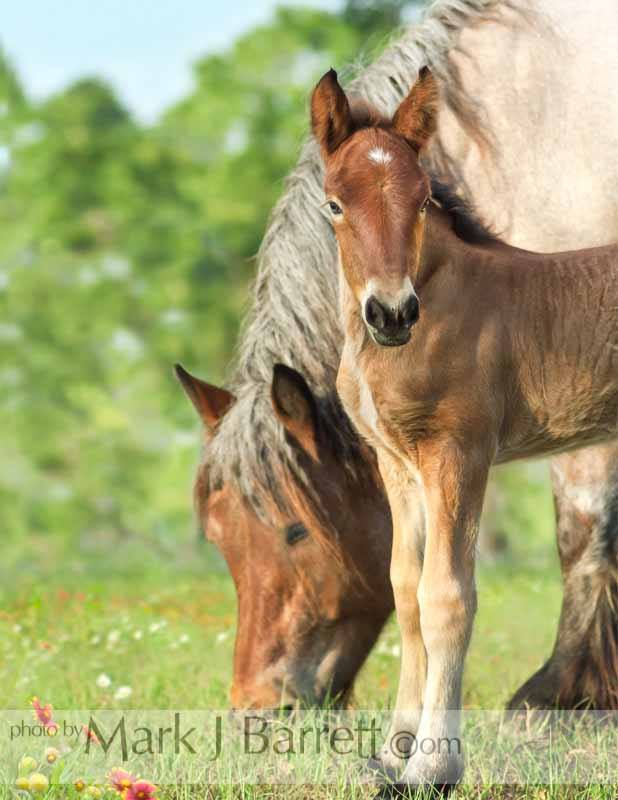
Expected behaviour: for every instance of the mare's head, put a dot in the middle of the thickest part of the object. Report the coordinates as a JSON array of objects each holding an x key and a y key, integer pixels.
[
  {"x": 377, "y": 195},
  {"x": 310, "y": 559}
]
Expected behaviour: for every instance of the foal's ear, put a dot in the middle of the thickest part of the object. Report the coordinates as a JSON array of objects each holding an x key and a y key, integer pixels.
[
  {"x": 210, "y": 401},
  {"x": 295, "y": 407},
  {"x": 416, "y": 119},
  {"x": 331, "y": 118}
]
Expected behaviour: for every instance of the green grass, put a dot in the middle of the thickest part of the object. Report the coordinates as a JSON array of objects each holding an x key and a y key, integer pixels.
[
  {"x": 150, "y": 631},
  {"x": 165, "y": 628},
  {"x": 168, "y": 635}
]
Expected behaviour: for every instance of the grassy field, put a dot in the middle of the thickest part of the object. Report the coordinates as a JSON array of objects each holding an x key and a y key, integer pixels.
[
  {"x": 163, "y": 638},
  {"x": 150, "y": 632}
]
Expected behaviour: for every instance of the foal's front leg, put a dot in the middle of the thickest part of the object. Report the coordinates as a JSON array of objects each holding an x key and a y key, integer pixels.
[
  {"x": 454, "y": 479},
  {"x": 405, "y": 498}
]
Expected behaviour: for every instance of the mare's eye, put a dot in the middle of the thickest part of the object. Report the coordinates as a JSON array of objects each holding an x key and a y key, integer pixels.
[
  {"x": 294, "y": 533},
  {"x": 334, "y": 208}
]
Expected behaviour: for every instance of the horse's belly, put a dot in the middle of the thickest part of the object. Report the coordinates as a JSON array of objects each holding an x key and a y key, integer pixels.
[{"x": 561, "y": 429}]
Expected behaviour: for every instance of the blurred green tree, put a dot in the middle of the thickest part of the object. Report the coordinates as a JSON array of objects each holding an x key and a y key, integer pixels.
[{"x": 126, "y": 248}]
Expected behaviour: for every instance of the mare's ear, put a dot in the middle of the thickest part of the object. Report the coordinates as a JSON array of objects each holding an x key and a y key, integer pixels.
[
  {"x": 331, "y": 118},
  {"x": 210, "y": 401},
  {"x": 416, "y": 119},
  {"x": 296, "y": 408}
]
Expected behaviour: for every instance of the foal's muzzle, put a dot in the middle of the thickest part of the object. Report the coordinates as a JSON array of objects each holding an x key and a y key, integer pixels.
[{"x": 390, "y": 326}]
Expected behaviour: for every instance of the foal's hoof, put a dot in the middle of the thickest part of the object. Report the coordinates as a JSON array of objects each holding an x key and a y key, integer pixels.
[
  {"x": 380, "y": 771},
  {"x": 413, "y": 790},
  {"x": 435, "y": 776}
]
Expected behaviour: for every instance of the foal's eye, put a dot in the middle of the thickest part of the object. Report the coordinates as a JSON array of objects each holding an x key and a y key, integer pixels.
[
  {"x": 334, "y": 208},
  {"x": 294, "y": 533}
]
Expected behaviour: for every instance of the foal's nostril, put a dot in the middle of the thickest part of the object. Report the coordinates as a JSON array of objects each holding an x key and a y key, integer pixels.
[
  {"x": 375, "y": 314},
  {"x": 409, "y": 311}
]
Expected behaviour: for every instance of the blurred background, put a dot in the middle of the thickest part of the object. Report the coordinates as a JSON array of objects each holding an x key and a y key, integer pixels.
[{"x": 142, "y": 146}]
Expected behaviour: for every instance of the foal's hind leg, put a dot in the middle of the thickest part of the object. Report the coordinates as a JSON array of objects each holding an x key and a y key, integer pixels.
[
  {"x": 407, "y": 509},
  {"x": 583, "y": 668}
]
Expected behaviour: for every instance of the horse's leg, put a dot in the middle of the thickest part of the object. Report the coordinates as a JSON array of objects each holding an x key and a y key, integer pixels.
[
  {"x": 454, "y": 478},
  {"x": 583, "y": 668},
  {"x": 407, "y": 509}
]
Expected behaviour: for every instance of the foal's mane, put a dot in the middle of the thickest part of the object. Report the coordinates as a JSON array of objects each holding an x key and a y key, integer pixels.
[
  {"x": 294, "y": 317},
  {"x": 467, "y": 223}
]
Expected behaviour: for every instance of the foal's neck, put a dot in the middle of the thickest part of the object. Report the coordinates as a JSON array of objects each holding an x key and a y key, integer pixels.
[{"x": 443, "y": 245}]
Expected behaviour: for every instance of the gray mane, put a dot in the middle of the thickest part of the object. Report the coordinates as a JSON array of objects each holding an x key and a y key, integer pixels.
[{"x": 294, "y": 314}]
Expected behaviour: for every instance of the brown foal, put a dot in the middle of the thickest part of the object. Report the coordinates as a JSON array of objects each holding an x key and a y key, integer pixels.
[{"x": 460, "y": 352}]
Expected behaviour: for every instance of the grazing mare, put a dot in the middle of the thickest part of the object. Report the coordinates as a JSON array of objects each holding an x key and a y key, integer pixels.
[
  {"x": 306, "y": 621},
  {"x": 460, "y": 352}
]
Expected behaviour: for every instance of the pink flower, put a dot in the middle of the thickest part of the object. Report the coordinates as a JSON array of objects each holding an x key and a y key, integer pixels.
[
  {"x": 121, "y": 780},
  {"x": 44, "y": 715},
  {"x": 140, "y": 790}
]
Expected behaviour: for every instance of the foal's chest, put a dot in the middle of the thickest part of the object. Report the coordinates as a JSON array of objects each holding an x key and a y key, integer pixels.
[{"x": 366, "y": 405}]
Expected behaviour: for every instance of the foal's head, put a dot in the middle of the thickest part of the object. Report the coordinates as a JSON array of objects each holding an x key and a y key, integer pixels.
[{"x": 377, "y": 194}]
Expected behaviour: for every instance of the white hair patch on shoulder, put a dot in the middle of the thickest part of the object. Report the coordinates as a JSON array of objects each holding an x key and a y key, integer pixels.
[{"x": 379, "y": 156}]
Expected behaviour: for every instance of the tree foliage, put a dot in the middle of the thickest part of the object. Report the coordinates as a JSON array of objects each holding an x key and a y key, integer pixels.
[{"x": 125, "y": 248}]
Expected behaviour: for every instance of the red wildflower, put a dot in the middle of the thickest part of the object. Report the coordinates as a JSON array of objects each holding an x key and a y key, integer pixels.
[
  {"x": 121, "y": 780},
  {"x": 90, "y": 734},
  {"x": 140, "y": 790},
  {"x": 44, "y": 715}
]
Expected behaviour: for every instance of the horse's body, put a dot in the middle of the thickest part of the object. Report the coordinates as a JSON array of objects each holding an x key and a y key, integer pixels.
[
  {"x": 513, "y": 354},
  {"x": 306, "y": 622},
  {"x": 537, "y": 334}
]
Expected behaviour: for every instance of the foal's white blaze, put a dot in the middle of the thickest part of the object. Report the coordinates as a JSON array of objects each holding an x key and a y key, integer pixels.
[{"x": 379, "y": 156}]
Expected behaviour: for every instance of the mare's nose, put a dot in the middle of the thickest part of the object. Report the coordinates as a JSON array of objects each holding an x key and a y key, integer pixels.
[{"x": 389, "y": 321}]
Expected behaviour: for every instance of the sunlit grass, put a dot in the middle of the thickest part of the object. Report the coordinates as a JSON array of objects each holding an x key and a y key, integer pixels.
[{"x": 166, "y": 637}]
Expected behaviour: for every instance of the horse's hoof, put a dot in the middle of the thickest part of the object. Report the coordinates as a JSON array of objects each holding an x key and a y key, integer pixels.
[
  {"x": 380, "y": 771},
  {"x": 435, "y": 776},
  {"x": 396, "y": 790}
]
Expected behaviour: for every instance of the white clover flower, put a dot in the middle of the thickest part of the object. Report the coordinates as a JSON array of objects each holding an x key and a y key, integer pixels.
[
  {"x": 104, "y": 681},
  {"x": 184, "y": 638},
  {"x": 156, "y": 626},
  {"x": 123, "y": 693},
  {"x": 138, "y": 635},
  {"x": 113, "y": 636}
]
